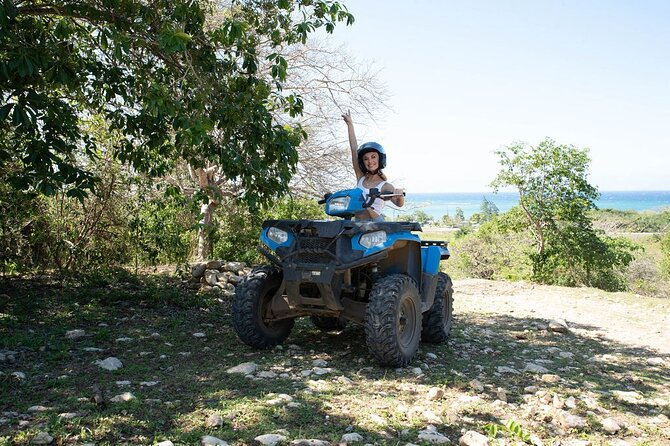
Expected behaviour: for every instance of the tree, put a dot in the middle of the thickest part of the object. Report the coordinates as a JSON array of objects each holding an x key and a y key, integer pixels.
[
  {"x": 172, "y": 85},
  {"x": 556, "y": 197}
]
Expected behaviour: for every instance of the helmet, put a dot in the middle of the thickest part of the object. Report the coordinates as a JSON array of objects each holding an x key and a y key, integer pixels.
[{"x": 371, "y": 147}]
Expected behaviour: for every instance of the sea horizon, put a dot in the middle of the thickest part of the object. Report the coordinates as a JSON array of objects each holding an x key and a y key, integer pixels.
[{"x": 437, "y": 204}]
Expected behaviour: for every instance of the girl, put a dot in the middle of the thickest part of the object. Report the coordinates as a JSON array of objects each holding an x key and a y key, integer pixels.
[{"x": 369, "y": 159}]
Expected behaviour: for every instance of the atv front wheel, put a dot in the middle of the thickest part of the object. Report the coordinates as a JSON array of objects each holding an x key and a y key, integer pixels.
[
  {"x": 252, "y": 300},
  {"x": 393, "y": 320},
  {"x": 438, "y": 320},
  {"x": 328, "y": 323}
]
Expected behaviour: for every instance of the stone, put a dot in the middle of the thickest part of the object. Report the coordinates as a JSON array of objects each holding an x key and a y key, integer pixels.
[
  {"x": 110, "y": 363},
  {"x": 198, "y": 270},
  {"x": 431, "y": 435},
  {"x": 234, "y": 267},
  {"x": 211, "y": 277},
  {"x": 351, "y": 437},
  {"x": 472, "y": 438},
  {"x": 611, "y": 426},
  {"x": 505, "y": 369},
  {"x": 322, "y": 370},
  {"x": 124, "y": 339},
  {"x": 199, "y": 335},
  {"x": 550, "y": 378},
  {"x": 476, "y": 385},
  {"x": 214, "y": 420},
  {"x": 266, "y": 374},
  {"x": 148, "y": 383},
  {"x": 534, "y": 368},
  {"x": 628, "y": 397},
  {"x": 431, "y": 356},
  {"x": 571, "y": 403},
  {"x": 270, "y": 439},
  {"x": 558, "y": 326},
  {"x": 435, "y": 393},
  {"x": 311, "y": 442},
  {"x": 123, "y": 383},
  {"x": 165, "y": 443},
  {"x": 75, "y": 334},
  {"x": 42, "y": 438},
  {"x": 69, "y": 415},
  {"x": 37, "y": 409},
  {"x": 431, "y": 417},
  {"x": 246, "y": 368},
  {"x": 655, "y": 361},
  {"x": 320, "y": 363},
  {"x": 19, "y": 375},
  {"x": 501, "y": 394},
  {"x": 208, "y": 440},
  {"x": 214, "y": 264},
  {"x": 570, "y": 421},
  {"x": 417, "y": 371},
  {"x": 123, "y": 397}
]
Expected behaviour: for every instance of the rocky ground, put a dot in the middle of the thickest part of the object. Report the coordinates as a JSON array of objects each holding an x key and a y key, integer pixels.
[{"x": 157, "y": 364}]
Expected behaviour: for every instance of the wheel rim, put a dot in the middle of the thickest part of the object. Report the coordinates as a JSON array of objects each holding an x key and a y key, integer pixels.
[{"x": 406, "y": 321}]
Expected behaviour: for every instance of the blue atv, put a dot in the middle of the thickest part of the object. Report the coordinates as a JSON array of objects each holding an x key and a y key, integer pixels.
[{"x": 377, "y": 274}]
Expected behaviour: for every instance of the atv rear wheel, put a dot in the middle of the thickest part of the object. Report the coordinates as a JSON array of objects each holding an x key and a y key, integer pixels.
[
  {"x": 438, "y": 320},
  {"x": 328, "y": 323},
  {"x": 253, "y": 297},
  {"x": 393, "y": 320}
]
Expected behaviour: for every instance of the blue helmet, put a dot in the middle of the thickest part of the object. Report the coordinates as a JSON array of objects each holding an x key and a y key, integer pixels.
[{"x": 371, "y": 147}]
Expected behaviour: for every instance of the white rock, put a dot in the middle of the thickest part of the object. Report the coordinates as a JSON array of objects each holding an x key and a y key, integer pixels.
[
  {"x": 165, "y": 443},
  {"x": 628, "y": 397},
  {"x": 246, "y": 368},
  {"x": 270, "y": 439},
  {"x": 123, "y": 383},
  {"x": 266, "y": 374},
  {"x": 505, "y": 369},
  {"x": 558, "y": 326},
  {"x": 322, "y": 370},
  {"x": 110, "y": 363},
  {"x": 19, "y": 375},
  {"x": 75, "y": 334},
  {"x": 92, "y": 349},
  {"x": 69, "y": 415},
  {"x": 417, "y": 371},
  {"x": 311, "y": 442},
  {"x": 611, "y": 426},
  {"x": 378, "y": 420},
  {"x": 37, "y": 409},
  {"x": 431, "y": 356},
  {"x": 125, "y": 396},
  {"x": 320, "y": 363},
  {"x": 571, "y": 403},
  {"x": 435, "y": 393},
  {"x": 566, "y": 355},
  {"x": 501, "y": 394},
  {"x": 351, "y": 437},
  {"x": 42, "y": 438},
  {"x": 571, "y": 421},
  {"x": 148, "y": 383},
  {"x": 199, "y": 335},
  {"x": 124, "y": 339},
  {"x": 208, "y": 440},
  {"x": 476, "y": 385},
  {"x": 535, "y": 368},
  {"x": 431, "y": 435},
  {"x": 655, "y": 361},
  {"x": 214, "y": 420},
  {"x": 472, "y": 438},
  {"x": 431, "y": 417},
  {"x": 550, "y": 378}
]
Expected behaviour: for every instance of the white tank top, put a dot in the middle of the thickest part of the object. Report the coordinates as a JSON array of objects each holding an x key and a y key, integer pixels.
[{"x": 378, "y": 204}]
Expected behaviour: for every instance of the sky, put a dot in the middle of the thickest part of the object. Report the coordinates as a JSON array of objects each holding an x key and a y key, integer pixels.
[{"x": 466, "y": 78}]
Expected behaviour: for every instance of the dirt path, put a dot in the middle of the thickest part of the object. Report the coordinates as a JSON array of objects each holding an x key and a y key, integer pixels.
[{"x": 620, "y": 317}]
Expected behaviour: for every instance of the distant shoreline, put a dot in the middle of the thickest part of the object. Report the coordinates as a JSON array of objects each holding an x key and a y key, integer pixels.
[{"x": 437, "y": 204}]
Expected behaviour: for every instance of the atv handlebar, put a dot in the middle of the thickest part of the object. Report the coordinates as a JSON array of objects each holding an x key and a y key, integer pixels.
[{"x": 375, "y": 193}]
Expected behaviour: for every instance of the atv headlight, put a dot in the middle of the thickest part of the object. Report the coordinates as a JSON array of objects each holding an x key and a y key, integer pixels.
[
  {"x": 338, "y": 204},
  {"x": 373, "y": 239},
  {"x": 277, "y": 235}
]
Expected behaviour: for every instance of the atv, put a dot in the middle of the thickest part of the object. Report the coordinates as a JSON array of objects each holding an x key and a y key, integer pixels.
[{"x": 377, "y": 274}]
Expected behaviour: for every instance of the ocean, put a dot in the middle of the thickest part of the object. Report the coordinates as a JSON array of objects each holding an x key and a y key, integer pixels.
[{"x": 442, "y": 203}]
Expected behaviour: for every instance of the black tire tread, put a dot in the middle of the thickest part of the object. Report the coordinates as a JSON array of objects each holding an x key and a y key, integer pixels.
[
  {"x": 246, "y": 321},
  {"x": 380, "y": 326},
  {"x": 435, "y": 329}
]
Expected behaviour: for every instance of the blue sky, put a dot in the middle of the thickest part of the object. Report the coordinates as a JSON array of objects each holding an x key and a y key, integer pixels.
[{"x": 468, "y": 77}]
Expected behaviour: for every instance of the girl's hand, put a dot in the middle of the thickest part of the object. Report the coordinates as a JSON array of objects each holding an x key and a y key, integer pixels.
[{"x": 347, "y": 118}]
